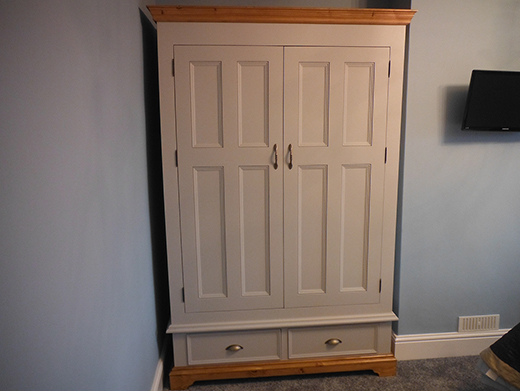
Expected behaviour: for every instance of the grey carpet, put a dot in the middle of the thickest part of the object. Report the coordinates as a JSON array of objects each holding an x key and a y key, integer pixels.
[{"x": 444, "y": 374}]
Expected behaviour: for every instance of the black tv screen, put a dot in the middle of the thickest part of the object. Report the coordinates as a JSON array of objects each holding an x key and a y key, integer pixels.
[{"x": 493, "y": 101}]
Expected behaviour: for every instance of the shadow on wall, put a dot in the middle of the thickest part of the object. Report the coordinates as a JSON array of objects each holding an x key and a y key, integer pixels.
[
  {"x": 155, "y": 185},
  {"x": 453, "y": 106}
]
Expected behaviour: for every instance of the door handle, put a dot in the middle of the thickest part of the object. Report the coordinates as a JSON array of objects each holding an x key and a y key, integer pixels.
[
  {"x": 290, "y": 157},
  {"x": 275, "y": 165}
]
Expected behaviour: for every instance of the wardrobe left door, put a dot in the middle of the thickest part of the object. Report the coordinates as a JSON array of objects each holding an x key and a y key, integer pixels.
[{"x": 229, "y": 113}]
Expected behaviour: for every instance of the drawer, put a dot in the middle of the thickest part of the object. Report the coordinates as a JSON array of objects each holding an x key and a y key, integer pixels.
[
  {"x": 332, "y": 340},
  {"x": 211, "y": 348}
]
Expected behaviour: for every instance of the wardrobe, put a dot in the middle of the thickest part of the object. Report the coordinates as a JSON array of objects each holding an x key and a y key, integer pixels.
[{"x": 280, "y": 131}]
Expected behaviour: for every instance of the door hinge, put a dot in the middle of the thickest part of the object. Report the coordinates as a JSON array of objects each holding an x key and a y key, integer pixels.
[
  {"x": 182, "y": 293},
  {"x": 173, "y": 67},
  {"x": 177, "y": 159},
  {"x": 389, "y": 67},
  {"x": 386, "y": 153},
  {"x": 380, "y": 284}
]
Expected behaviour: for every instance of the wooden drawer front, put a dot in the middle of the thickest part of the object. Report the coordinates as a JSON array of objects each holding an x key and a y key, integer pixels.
[
  {"x": 332, "y": 340},
  {"x": 210, "y": 348}
]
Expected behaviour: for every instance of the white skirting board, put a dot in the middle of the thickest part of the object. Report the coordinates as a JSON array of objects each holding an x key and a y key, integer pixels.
[
  {"x": 158, "y": 383},
  {"x": 422, "y": 346}
]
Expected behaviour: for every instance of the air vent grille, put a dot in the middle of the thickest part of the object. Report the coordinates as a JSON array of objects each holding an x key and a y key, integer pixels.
[{"x": 478, "y": 323}]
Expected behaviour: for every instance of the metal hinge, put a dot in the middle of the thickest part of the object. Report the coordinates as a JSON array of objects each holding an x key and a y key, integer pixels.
[
  {"x": 183, "y": 297},
  {"x": 386, "y": 153},
  {"x": 380, "y": 284},
  {"x": 389, "y": 67},
  {"x": 177, "y": 159}
]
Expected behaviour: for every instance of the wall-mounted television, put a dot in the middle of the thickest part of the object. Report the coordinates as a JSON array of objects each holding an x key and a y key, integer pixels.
[{"x": 493, "y": 101}]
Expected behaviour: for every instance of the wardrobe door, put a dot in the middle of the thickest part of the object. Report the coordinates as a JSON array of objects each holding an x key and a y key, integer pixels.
[
  {"x": 229, "y": 132},
  {"x": 335, "y": 133}
]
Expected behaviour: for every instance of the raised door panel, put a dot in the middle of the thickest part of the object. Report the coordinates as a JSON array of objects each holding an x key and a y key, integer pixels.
[
  {"x": 335, "y": 123},
  {"x": 229, "y": 120}
]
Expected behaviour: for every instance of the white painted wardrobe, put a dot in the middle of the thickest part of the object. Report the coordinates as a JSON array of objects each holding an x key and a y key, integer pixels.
[{"x": 280, "y": 143}]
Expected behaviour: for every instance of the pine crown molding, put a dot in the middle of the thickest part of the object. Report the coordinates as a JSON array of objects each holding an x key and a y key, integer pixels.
[{"x": 281, "y": 15}]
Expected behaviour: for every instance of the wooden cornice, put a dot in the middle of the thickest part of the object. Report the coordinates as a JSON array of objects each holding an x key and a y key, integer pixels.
[{"x": 281, "y": 15}]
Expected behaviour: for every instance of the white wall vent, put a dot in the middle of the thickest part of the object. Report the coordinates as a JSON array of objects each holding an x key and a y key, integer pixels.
[{"x": 478, "y": 323}]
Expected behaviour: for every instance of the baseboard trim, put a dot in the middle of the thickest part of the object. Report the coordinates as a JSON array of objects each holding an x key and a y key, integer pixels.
[
  {"x": 422, "y": 346},
  {"x": 158, "y": 379}
]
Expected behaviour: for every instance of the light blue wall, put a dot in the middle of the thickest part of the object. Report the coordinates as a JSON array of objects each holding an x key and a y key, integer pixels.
[
  {"x": 77, "y": 308},
  {"x": 460, "y": 227}
]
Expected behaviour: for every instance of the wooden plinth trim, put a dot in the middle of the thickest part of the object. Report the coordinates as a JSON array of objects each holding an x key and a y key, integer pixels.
[
  {"x": 281, "y": 15},
  {"x": 183, "y": 377}
]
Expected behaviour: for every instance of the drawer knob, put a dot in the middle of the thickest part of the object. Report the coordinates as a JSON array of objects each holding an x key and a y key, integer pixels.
[
  {"x": 234, "y": 348},
  {"x": 333, "y": 342}
]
